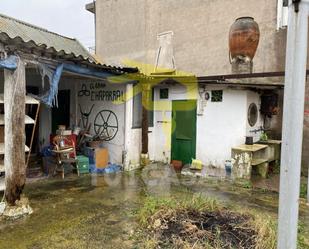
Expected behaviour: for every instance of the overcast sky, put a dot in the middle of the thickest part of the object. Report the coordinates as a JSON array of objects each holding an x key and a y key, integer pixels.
[{"x": 66, "y": 17}]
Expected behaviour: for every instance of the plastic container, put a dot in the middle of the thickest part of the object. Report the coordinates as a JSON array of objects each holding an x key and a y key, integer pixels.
[
  {"x": 83, "y": 164},
  {"x": 177, "y": 165},
  {"x": 196, "y": 164}
]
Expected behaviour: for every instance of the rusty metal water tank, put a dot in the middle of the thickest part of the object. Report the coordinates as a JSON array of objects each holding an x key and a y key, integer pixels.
[{"x": 244, "y": 39}]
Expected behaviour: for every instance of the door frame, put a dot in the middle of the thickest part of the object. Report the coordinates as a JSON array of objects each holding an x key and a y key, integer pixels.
[
  {"x": 174, "y": 125},
  {"x": 52, "y": 112}
]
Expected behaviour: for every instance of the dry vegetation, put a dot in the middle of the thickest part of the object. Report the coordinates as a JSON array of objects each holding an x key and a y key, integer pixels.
[{"x": 202, "y": 223}]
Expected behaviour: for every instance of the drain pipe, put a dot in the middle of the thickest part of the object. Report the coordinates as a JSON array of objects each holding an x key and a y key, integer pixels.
[{"x": 293, "y": 116}]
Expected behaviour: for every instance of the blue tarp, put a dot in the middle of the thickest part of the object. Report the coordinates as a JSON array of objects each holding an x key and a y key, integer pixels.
[
  {"x": 9, "y": 63},
  {"x": 111, "y": 168},
  {"x": 54, "y": 78}
]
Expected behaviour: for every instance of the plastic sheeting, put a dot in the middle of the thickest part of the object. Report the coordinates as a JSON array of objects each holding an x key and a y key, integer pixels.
[
  {"x": 50, "y": 98},
  {"x": 9, "y": 63}
]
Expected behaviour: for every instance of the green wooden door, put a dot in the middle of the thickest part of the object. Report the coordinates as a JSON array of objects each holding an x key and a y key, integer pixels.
[{"x": 183, "y": 130}]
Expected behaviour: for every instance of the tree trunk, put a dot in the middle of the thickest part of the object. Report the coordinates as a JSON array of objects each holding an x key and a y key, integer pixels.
[{"x": 14, "y": 108}]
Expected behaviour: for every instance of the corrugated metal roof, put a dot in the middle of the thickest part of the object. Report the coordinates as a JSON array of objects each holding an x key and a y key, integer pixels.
[{"x": 11, "y": 28}]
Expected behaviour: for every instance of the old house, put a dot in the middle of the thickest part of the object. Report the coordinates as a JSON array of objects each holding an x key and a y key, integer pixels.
[
  {"x": 44, "y": 79},
  {"x": 193, "y": 40}
]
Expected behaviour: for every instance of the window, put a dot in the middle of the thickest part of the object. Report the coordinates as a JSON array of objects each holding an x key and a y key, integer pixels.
[
  {"x": 216, "y": 96},
  {"x": 138, "y": 109},
  {"x": 252, "y": 114},
  {"x": 164, "y": 93}
]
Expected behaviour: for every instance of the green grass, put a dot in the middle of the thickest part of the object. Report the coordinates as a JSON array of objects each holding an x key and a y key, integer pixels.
[
  {"x": 303, "y": 237},
  {"x": 152, "y": 205},
  {"x": 303, "y": 190}
]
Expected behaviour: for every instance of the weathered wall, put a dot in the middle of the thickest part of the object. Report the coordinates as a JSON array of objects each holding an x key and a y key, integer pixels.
[
  {"x": 104, "y": 103},
  {"x": 219, "y": 127},
  {"x": 128, "y": 30}
]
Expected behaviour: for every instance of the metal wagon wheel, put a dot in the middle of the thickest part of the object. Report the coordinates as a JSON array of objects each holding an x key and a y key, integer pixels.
[{"x": 106, "y": 125}]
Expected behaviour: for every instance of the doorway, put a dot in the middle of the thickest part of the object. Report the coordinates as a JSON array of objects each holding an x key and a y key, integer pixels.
[
  {"x": 61, "y": 114},
  {"x": 183, "y": 130}
]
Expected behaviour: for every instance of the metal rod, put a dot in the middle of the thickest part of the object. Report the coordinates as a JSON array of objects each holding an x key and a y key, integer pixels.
[{"x": 293, "y": 115}]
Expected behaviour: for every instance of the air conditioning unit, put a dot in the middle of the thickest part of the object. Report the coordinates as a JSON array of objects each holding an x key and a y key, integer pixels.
[{"x": 282, "y": 14}]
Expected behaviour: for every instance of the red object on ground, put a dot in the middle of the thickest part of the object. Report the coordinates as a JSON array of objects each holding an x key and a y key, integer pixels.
[{"x": 177, "y": 165}]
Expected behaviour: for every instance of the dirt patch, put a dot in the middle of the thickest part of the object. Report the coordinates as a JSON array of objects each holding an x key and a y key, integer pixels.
[{"x": 215, "y": 229}]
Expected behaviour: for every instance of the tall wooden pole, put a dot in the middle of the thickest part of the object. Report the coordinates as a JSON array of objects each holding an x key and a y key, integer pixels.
[
  {"x": 145, "y": 131},
  {"x": 145, "y": 103},
  {"x": 14, "y": 108},
  {"x": 292, "y": 131}
]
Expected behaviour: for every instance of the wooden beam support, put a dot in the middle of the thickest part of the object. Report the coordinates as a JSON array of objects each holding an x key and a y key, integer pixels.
[
  {"x": 146, "y": 88},
  {"x": 144, "y": 131},
  {"x": 14, "y": 108}
]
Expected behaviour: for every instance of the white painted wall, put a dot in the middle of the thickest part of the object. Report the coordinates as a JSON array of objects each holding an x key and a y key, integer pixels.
[
  {"x": 117, "y": 145},
  {"x": 220, "y": 125},
  {"x": 132, "y": 136}
]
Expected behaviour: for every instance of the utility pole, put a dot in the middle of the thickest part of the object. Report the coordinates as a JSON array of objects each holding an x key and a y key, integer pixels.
[{"x": 293, "y": 116}]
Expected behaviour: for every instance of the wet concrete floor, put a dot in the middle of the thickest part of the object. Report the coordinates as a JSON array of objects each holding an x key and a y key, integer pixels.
[{"x": 98, "y": 211}]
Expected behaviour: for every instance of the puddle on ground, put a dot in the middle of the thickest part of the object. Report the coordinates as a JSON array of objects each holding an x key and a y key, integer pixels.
[{"x": 98, "y": 211}]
